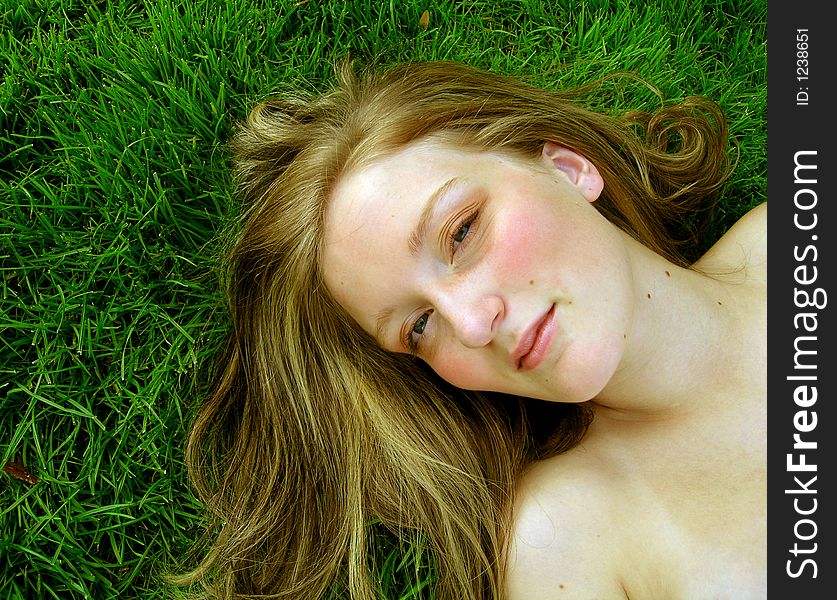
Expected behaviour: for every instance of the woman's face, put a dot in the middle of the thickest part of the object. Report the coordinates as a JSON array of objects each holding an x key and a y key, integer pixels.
[{"x": 496, "y": 271}]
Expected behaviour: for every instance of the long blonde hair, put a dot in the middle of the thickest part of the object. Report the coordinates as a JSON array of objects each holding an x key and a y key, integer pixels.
[{"x": 310, "y": 431}]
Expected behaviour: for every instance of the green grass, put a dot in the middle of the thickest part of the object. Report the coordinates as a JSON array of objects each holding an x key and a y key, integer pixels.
[{"x": 113, "y": 183}]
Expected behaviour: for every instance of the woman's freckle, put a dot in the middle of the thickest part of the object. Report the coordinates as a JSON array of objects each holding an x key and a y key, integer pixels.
[
  {"x": 531, "y": 281},
  {"x": 719, "y": 303},
  {"x": 668, "y": 274},
  {"x": 649, "y": 295}
]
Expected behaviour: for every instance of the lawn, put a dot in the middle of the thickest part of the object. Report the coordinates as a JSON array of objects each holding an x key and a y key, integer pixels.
[{"x": 114, "y": 185}]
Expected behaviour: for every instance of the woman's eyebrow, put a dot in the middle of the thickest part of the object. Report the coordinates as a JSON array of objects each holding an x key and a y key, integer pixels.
[
  {"x": 416, "y": 240},
  {"x": 381, "y": 322}
]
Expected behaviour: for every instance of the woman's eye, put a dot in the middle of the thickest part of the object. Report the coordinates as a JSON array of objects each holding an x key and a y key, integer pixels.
[
  {"x": 462, "y": 232},
  {"x": 459, "y": 234},
  {"x": 414, "y": 334},
  {"x": 420, "y": 324}
]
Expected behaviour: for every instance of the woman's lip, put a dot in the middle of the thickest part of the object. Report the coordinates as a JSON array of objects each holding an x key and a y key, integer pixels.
[{"x": 532, "y": 348}]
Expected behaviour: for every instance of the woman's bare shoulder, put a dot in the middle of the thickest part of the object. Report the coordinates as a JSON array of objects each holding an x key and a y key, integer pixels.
[
  {"x": 741, "y": 250},
  {"x": 563, "y": 534}
]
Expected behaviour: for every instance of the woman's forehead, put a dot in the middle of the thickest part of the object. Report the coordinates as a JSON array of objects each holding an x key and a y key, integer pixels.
[
  {"x": 372, "y": 194},
  {"x": 425, "y": 149},
  {"x": 375, "y": 211},
  {"x": 426, "y": 157}
]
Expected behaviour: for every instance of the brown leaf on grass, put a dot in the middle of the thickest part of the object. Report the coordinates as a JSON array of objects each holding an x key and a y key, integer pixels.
[
  {"x": 424, "y": 21},
  {"x": 18, "y": 470}
]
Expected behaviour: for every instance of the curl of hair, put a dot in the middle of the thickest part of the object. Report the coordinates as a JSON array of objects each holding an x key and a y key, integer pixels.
[{"x": 310, "y": 431}]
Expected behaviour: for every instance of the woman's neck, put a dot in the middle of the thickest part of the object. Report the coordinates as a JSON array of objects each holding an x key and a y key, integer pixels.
[{"x": 684, "y": 341}]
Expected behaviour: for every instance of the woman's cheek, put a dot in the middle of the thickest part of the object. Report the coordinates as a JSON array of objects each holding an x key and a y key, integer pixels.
[
  {"x": 521, "y": 255},
  {"x": 461, "y": 372}
]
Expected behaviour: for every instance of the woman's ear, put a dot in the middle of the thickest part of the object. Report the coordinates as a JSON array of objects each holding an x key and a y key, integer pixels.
[{"x": 580, "y": 171}]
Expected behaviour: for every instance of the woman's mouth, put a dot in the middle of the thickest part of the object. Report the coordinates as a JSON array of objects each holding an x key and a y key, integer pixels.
[{"x": 535, "y": 342}]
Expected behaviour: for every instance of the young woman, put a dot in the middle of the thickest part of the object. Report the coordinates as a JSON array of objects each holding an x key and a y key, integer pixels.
[{"x": 464, "y": 307}]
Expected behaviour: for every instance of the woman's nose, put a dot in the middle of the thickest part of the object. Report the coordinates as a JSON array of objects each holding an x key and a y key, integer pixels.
[{"x": 474, "y": 319}]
